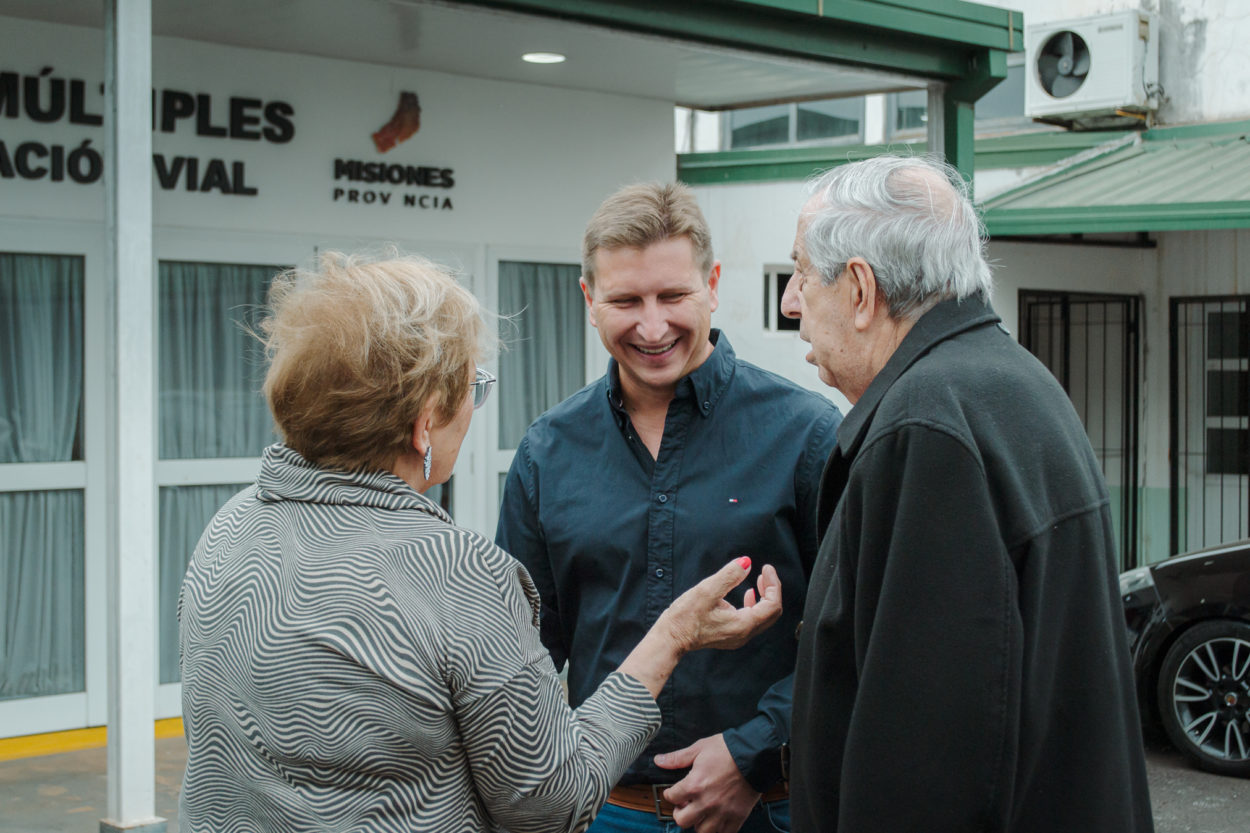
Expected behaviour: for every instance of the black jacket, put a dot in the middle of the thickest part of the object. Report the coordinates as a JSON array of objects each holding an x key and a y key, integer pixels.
[{"x": 963, "y": 664}]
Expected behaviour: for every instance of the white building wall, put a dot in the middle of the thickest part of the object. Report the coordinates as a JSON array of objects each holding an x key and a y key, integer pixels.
[
  {"x": 1206, "y": 78},
  {"x": 753, "y": 226},
  {"x": 1202, "y": 65},
  {"x": 529, "y": 165},
  {"x": 1120, "y": 271}
]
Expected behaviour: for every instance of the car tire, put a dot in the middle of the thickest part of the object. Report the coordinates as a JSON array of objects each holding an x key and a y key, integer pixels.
[{"x": 1204, "y": 696}]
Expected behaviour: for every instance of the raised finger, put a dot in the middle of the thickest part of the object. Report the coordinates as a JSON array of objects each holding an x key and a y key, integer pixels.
[
  {"x": 769, "y": 583},
  {"x": 726, "y": 578}
]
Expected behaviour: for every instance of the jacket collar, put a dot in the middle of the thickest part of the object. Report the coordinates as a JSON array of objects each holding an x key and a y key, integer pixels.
[
  {"x": 947, "y": 319},
  {"x": 286, "y": 476},
  {"x": 706, "y": 384}
]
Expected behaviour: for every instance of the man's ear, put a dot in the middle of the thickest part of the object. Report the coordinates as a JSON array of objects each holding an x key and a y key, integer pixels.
[
  {"x": 863, "y": 288},
  {"x": 713, "y": 284},
  {"x": 588, "y": 294}
]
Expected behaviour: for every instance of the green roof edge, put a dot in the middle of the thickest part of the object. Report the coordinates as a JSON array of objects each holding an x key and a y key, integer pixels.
[{"x": 781, "y": 164}]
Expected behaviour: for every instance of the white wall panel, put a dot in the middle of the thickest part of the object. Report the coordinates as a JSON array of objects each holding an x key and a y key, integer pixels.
[
  {"x": 529, "y": 163},
  {"x": 1202, "y": 64}
]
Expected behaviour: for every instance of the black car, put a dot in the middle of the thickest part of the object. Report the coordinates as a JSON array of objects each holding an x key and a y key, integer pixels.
[{"x": 1189, "y": 636}]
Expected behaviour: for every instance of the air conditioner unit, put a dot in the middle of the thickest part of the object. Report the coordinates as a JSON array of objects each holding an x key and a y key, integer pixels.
[{"x": 1094, "y": 72}]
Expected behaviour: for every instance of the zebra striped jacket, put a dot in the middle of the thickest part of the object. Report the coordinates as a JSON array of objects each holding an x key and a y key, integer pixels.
[{"x": 353, "y": 661}]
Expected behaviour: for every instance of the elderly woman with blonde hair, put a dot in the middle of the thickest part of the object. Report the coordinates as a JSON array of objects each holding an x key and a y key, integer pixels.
[{"x": 353, "y": 660}]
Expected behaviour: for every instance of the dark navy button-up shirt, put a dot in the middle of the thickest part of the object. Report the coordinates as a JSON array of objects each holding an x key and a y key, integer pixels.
[{"x": 611, "y": 536}]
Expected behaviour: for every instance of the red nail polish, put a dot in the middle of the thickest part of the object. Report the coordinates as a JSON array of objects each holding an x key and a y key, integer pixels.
[{"x": 744, "y": 563}]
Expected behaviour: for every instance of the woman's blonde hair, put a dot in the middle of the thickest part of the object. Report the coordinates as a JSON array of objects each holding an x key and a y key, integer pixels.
[{"x": 358, "y": 347}]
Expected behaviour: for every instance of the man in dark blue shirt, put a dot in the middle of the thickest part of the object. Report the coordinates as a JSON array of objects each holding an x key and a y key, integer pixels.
[{"x": 637, "y": 486}]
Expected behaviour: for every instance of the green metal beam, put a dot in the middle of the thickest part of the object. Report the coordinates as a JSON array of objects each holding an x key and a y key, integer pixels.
[
  {"x": 1117, "y": 218},
  {"x": 957, "y": 140},
  {"x": 881, "y": 36},
  {"x": 1197, "y": 131},
  {"x": 958, "y": 9},
  {"x": 959, "y": 22}
]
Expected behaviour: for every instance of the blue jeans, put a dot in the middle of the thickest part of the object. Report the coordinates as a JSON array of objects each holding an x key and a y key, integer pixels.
[{"x": 773, "y": 817}]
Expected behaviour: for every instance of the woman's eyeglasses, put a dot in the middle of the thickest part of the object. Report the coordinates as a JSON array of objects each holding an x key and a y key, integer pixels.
[{"x": 482, "y": 382}]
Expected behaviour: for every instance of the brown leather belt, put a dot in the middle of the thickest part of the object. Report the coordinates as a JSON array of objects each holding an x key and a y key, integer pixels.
[{"x": 649, "y": 798}]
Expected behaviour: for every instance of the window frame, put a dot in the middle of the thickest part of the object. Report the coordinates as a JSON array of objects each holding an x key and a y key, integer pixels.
[
  {"x": 89, "y": 706},
  {"x": 726, "y": 127},
  {"x": 772, "y": 300},
  {"x": 499, "y": 460},
  {"x": 981, "y": 125}
]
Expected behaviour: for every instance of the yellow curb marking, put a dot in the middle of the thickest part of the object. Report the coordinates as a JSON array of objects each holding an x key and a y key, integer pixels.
[{"x": 52, "y": 743}]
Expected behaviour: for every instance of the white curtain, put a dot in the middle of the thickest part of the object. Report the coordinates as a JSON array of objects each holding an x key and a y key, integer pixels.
[
  {"x": 40, "y": 357},
  {"x": 211, "y": 372},
  {"x": 544, "y": 360},
  {"x": 41, "y": 533},
  {"x": 211, "y": 369},
  {"x": 185, "y": 511}
]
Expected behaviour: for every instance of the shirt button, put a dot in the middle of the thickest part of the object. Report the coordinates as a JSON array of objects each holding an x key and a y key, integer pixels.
[
  {"x": 662, "y": 498},
  {"x": 659, "y": 572}
]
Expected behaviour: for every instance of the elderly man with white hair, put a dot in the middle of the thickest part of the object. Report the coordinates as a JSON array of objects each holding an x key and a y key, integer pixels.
[{"x": 962, "y": 660}]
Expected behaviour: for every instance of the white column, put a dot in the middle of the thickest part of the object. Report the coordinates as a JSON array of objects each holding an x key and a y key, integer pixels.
[
  {"x": 876, "y": 117},
  {"x": 131, "y": 414},
  {"x": 936, "y": 125}
]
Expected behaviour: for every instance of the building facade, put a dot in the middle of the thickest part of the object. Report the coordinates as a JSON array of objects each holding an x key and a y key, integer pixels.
[
  {"x": 282, "y": 130},
  {"x": 1120, "y": 256}
]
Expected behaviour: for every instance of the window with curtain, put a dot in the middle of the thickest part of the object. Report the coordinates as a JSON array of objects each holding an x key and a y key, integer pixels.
[
  {"x": 185, "y": 511},
  {"x": 544, "y": 355},
  {"x": 211, "y": 368},
  {"x": 210, "y": 406},
  {"x": 41, "y": 532}
]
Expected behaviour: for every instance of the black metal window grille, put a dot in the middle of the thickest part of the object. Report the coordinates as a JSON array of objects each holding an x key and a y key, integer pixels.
[
  {"x": 1209, "y": 424},
  {"x": 1090, "y": 342}
]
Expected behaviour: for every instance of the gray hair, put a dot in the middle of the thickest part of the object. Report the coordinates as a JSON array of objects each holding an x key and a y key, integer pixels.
[{"x": 911, "y": 219}]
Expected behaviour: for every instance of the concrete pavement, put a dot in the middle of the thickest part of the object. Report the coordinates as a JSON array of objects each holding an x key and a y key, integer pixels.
[{"x": 65, "y": 793}]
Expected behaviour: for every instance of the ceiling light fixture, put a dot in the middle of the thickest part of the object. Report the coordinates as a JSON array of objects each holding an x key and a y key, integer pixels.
[{"x": 543, "y": 58}]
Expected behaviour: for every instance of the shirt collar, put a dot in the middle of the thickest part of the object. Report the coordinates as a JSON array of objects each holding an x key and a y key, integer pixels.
[
  {"x": 947, "y": 319},
  {"x": 285, "y": 475},
  {"x": 705, "y": 385}
]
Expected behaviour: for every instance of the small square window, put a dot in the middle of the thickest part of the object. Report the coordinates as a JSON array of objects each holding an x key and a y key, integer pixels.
[
  {"x": 910, "y": 112},
  {"x": 775, "y": 280}
]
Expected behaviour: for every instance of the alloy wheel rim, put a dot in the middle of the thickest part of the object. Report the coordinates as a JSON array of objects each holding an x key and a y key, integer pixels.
[{"x": 1211, "y": 696}]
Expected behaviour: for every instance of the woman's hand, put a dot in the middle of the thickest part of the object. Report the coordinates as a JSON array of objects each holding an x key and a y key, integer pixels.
[{"x": 701, "y": 618}]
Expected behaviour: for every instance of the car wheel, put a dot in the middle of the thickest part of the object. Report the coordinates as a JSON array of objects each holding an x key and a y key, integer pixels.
[{"x": 1204, "y": 696}]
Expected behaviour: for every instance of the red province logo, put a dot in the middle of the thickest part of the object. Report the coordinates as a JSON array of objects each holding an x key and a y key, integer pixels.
[{"x": 403, "y": 124}]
